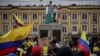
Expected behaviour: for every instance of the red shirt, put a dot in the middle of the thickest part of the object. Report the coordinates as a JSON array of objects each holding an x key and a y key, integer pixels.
[{"x": 36, "y": 50}]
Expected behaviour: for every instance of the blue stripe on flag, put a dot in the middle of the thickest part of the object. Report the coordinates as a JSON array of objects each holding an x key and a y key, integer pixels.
[
  {"x": 82, "y": 42},
  {"x": 10, "y": 44}
]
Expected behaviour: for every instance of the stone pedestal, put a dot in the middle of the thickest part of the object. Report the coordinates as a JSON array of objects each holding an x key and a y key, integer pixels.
[{"x": 50, "y": 30}]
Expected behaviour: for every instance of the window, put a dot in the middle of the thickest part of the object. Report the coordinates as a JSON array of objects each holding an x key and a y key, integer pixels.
[
  {"x": 34, "y": 16},
  {"x": 84, "y": 27},
  {"x": 14, "y": 26},
  {"x": 35, "y": 29},
  {"x": 74, "y": 28},
  {"x": 64, "y": 29},
  {"x": 64, "y": 16},
  {"x": 94, "y": 28},
  {"x": 5, "y": 16},
  {"x": 5, "y": 28},
  {"x": 94, "y": 17},
  {"x": 84, "y": 16},
  {"x": 43, "y": 33},
  {"x": 25, "y": 16},
  {"x": 74, "y": 16}
]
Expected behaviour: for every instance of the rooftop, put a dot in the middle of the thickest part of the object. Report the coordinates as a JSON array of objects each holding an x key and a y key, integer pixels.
[{"x": 45, "y": 2}]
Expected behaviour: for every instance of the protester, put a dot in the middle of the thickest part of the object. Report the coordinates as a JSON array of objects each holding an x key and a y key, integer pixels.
[
  {"x": 27, "y": 46},
  {"x": 45, "y": 50},
  {"x": 93, "y": 54},
  {"x": 12, "y": 54},
  {"x": 91, "y": 44},
  {"x": 54, "y": 41},
  {"x": 36, "y": 50},
  {"x": 96, "y": 50},
  {"x": 36, "y": 39},
  {"x": 65, "y": 51},
  {"x": 20, "y": 51},
  {"x": 50, "y": 8},
  {"x": 75, "y": 51},
  {"x": 81, "y": 53},
  {"x": 54, "y": 13},
  {"x": 50, "y": 50}
]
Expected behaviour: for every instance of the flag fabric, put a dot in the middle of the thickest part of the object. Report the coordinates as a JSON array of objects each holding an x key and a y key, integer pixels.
[
  {"x": 59, "y": 17},
  {"x": 14, "y": 39},
  {"x": 83, "y": 44},
  {"x": 6, "y": 34},
  {"x": 19, "y": 22},
  {"x": 49, "y": 15}
]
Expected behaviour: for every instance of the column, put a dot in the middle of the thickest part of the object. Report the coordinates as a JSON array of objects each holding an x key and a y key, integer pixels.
[
  {"x": 69, "y": 23},
  {"x": 79, "y": 22},
  {"x": 30, "y": 19},
  {"x": 0, "y": 23},
  {"x": 40, "y": 18},
  {"x": 99, "y": 22},
  {"x": 9, "y": 21},
  {"x": 89, "y": 23}
]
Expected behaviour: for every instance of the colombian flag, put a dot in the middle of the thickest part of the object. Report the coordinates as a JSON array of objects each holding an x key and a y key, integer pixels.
[
  {"x": 13, "y": 39},
  {"x": 83, "y": 44},
  {"x": 19, "y": 22}
]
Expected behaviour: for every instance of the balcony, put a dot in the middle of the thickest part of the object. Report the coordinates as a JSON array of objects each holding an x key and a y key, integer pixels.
[
  {"x": 94, "y": 33},
  {"x": 94, "y": 21},
  {"x": 74, "y": 33},
  {"x": 84, "y": 20},
  {"x": 74, "y": 21},
  {"x": 5, "y": 21},
  {"x": 64, "y": 21}
]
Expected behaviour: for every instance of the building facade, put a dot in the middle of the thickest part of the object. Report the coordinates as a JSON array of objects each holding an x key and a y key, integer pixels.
[{"x": 71, "y": 21}]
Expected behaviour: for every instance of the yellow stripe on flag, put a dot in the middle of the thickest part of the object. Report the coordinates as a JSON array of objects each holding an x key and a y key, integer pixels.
[
  {"x": 17, "y": 34},
  {"x": 19, "y": 20},
  {"x": 83, "y": 36},
  {"x": 6, "y": 34}
]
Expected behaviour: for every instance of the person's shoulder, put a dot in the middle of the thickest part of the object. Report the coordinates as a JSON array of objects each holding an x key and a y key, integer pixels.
[
  {"x": 11, "y": 54},
  {"x": 93, "y": 54},
  {"x": 48, "y": 5}
]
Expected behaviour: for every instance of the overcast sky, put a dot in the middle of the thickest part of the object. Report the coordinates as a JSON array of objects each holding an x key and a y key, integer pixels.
[
  {"x": 49, "y": 0},
  {"x": 44, "y": 2}
]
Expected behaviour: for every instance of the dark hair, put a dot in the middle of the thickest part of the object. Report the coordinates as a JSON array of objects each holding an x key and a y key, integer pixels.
[
  {"x": 26, "y": 38},
  {"x": 50, "y": 2}
]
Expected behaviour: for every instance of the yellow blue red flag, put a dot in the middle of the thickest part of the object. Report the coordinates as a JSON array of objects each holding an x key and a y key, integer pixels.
[
  {"x": 19, "y": 21},
  {"x": 83, "y": 44},
  {"x": 14, "y": 39}
]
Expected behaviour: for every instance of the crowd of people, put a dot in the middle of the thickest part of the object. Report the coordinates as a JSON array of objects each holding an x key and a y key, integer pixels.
[{"x": 31, "y": 47}]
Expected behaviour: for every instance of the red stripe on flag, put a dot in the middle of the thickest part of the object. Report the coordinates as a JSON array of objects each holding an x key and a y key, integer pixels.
[
  {"x": 59, "y": 17},
  {"x": 18, "y": 24},
  {"x": 82, "y": 48},
  {"x": 8, "y": 50}
]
